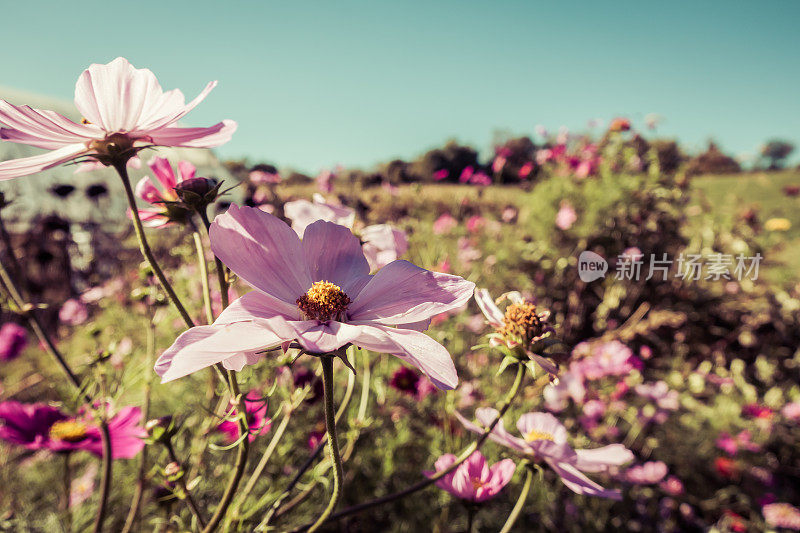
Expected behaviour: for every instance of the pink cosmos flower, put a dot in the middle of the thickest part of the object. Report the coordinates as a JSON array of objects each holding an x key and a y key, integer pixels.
[
  {"x": 73, "y": 312},
  {"x": 383, "y": 244},
  {"x": 544, "y": 438},
  {"x": 124, "y": 108},
  {"x": 317, "y": 292},
  {"x": 82, "y": 488},
  {"x": 444, "y": 224},
  {"x": 441, "y": 174},
  {"x": 13, "y": 339},
  {"x": 466, "y": 174},
  {"x": 557, "y": 395},
  {"x": 754, "y": 410},
  {"x": 41, "y": 427},
  {"x": 648, "y": 473},
  {"x": 672, "y": 486},
  {"x": 566, "y": 216},
  {"x": 257, "y": 420},
  {"x": 302, "y": 213},
  {"x": 660, "y": 394},
  {"x": 498, "y": 163},
  {"x": 325, "y": 179},
  {"x": 782, "y": 515},
  {"x": 607, "y": 359},
  {"x": 732, "y": 444},
  {"x": 480, "y": 178},
  {"x": 473, "y": 480},
  {"x": 263, "y": 177},
  {"x": 525, "y": 170},
  {"x": 162, "y": 213},
  {"x": 475, "y": 223}
]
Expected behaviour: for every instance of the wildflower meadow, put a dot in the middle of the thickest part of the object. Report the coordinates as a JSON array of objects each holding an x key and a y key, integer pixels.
[{"x": 578, "y": 331}]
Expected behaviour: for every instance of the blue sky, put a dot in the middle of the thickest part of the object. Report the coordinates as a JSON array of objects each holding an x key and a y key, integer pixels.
[{"x": 313, "y": 84}]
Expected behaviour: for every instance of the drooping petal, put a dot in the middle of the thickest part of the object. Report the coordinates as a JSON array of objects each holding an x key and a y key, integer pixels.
[
  {"x": 486, "y": 417},
  {"x": 210, "y": 137},
  {"x": 600, "y": 459},
  {"x": 489, "y": 309},
  {"x": 580, "y": 484},
  {"x": 500, "y": 475},
  {"x": 334, "y": 254},
  {"x": 443, "y": 463},
  {"x": 415, "y": 348},
  {"x": 162, "y": 170},
  {"x": 151, "y": 218},
  {"x": 262, "y": 250},
  {"x": 325, "y": 337},
  {"x": 25, "y": 166},
  {"x": 203, "y": 346},
  {"x": 403, "y": 293},
  {"x": 256, "y": 304},
  {"x": 41, "y": 128}
]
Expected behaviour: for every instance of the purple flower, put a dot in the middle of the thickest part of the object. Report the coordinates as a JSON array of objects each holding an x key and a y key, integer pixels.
[
  {"x": 405, "y": 380},
  {"x": 473, "y": 480},
  {"x": 74, "y": 312},
  {"x": 303, "y": 213},
  {"x": 257, "y": 420},
  {"x": 648, "y": 473},
  {"x": 383, "y": 244},
  {"x": 317, "y": 292},
  {"x": 41, "y": 427},
  {"x": 660, "y": 394},
  {"x": 13, "y": 339},
  {"x": 544, "y": 438}
]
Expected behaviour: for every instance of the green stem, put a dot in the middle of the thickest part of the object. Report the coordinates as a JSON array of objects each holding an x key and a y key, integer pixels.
[
  {"x": 201, "y": 262},
  {"x": 190, "y": 503},
  {"x": 28, "y": 311},
  {"x": 67, "y": 490},
  {"x": 122, "y": 170},
  {"x": 515, "y": 512},
  {"x": 512, "y": 393},
  {"x": 223, "y": 280},
  {"x": 241, "y": 456},
  {"x": 333, "y": 443}
]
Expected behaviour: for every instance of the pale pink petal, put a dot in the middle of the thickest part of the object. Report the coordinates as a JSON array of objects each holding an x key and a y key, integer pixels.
[
  {"x": 238, "y": 361},
  {"x": 168, "y": 113},
  {"x": 414, "y": 347},
  {"x": 402, "y": 293},
  {"x": 318, "y": 337},
  {"x": 186, "y": 170},
  {"x": 334, "y": 254},
  {"x": 461, "y": 484},
  {"x": 256, "y": 304},
  {"x": 41, "y": 128},
  {"x": 489, "y": 309},
  {"x": 580, "y": 484},
  {"x": 210, "y": 137},
  {"x": 500, "y": 475},
  {"x": 147, "y": 191},
  {"x": 543, "y": 423},
  {"x": 486, "y": 417},
  {"x": 203, "y": 346},
  {"x": 162, "y": 170},
  {"x": 25, "y": 166},
  {"x": 151, "y": 218},
  {"x": 262, "y": 250},
  {"x": 599, "y": 459}
]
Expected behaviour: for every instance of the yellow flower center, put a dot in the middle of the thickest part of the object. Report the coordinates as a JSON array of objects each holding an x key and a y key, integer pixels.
[
  {"x": 477, "y": 483},
  {"x": 68, "y": 430},
  {"x": 324, "y": 301},
  {"x": 85, "y": 120},
  {"x": 521, "y": 323},
  {"x": 534, "y": 435}
]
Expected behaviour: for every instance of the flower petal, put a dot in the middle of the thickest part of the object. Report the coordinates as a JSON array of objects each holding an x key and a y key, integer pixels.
[
  {"x": 256, "y": 304},
  {"x": 334, "y": 254},
  {"x": 580, "y": 484},
  {"x": 489, "y": 309},
  {"x": 415, "y": 348},
  {"x": 162, "y": 170},
  {"x": 543, "y": 423},
  {"x": 25, "y": 166},
  {"x": 147, "y": 191},
  {"x": 210, "y": 137},
  {"x": 41, "y": 128},
  {"x": 203, "y": 346},
  {"x": 318, "y": 337},
  {"x": 600, "y": 459},
  {"x": 403, "y": 293},
  {"x": 262, "y": 250}
]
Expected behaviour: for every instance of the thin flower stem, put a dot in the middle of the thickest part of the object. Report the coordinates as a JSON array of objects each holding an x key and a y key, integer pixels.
[
  {"x": 241, "y": 456},
  {"x": 122, "y": 170},
  {"x": 201, "y": 262},
  {"x": 515, "y": 512},
  {"x": 512, "y": 393},
  {"x": 471, "y": 512},
  {"x": 333, "y": 443},
  {"x": 67, "y": 489},
  {"x": 276, "y": 509},
  {"x": 28, "y": 311},
  {"x": 223, "y": 279},
  {"x": 12, "y": 258},
  {"x": 190, "y": 503},
  {"x": 138, "y": 492}
]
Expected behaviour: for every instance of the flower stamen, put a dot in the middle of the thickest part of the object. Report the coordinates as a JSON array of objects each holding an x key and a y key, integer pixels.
[
  {"x": 521, "y": 323},
  {"x": 534, "y": 435},
  {"x": 68, "y": 431},
  {"x": 324, "y": 301}
]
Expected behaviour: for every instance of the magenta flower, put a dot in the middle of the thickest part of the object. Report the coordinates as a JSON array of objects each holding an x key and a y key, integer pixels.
[
  {"x": 444, "y": 224},
  {"x": 648, "y": 473},
  {"x": 160, "y": 192},
  {"x": 302, "y": 213},
  {"x": 73, "y": 312},
  {"x": 782, "y": 515},
  {"x": 473, "y": 480},
  {"x": 566, "y": 216},
  {"x": 544, "y": 438},
  {"x": 123, "y": 107},
  {"x": 257, "y": 420},
  {"x": 731, "y": 444},
  {"x": 441, "y": 174},
  {"x": 317, "y": 292},
  {"x": 13, "y": 339},
  {"x": 525, "y": 170},
  {"x": 41, "y": 427}
]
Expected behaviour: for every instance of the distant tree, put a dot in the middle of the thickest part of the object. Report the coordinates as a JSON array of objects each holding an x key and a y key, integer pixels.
[
  {"x": 776, "y": 151},
  {"x": 712, "y": 161}
]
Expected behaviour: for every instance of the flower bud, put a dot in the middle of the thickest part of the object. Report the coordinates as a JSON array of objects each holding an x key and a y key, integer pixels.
[{"x": 198, "y": 193}]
